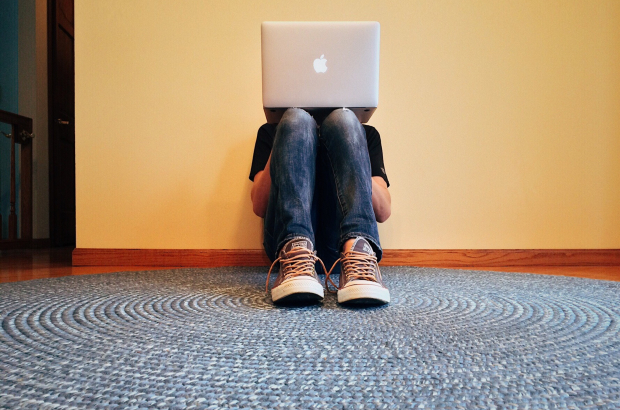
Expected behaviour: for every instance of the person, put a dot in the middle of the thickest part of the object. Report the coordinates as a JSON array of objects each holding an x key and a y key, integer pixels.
[{"x": 321, "y": 191}]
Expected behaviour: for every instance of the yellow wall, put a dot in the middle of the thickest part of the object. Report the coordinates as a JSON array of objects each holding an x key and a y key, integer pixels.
[{"x": 500, "y": 120}]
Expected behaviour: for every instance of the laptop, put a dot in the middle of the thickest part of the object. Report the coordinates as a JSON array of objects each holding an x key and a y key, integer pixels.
[{"x": 320, "y": 66}]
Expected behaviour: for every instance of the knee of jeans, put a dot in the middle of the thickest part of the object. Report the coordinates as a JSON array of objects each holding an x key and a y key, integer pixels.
[
  {"x": 340, "y": 123},
  {"x": 298, "y": 119}
]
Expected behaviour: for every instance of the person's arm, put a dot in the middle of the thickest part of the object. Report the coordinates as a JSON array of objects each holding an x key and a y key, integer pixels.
[
  {"x": 260, "y": 190},
  {"x": 381, "y": 199}
]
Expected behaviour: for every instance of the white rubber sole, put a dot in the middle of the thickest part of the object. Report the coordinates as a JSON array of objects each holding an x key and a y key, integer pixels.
[
  {"x": 363, "y": 292},
  {"x": 306, "y": 288}
]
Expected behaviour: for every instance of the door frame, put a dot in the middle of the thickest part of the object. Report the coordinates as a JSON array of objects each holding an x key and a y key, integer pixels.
[{"x": 54, "y": 228}]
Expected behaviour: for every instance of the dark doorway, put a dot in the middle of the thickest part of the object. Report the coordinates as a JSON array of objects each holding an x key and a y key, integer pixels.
[{"x": 61, "y": 86}]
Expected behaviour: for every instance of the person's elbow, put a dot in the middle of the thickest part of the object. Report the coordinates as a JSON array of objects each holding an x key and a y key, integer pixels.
[
  {"x": 383, "y": 213},
  {"x": 260, "y": 194},
  {"x": 259, "y": 209},
  {"x": 381, "y": 199},
  {"x": 382, "y": 209}
]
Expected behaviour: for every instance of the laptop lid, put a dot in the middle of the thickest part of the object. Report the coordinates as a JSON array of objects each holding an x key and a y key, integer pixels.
[{"x": 319, "y": 66}]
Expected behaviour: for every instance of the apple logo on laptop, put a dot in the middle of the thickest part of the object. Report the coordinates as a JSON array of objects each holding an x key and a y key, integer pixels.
[{"x": 319, "y": 64}]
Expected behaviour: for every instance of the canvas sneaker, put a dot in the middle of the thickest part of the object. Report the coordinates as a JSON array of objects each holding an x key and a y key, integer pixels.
[
  {"x": 297, "y": 281},
  {"x": 360, "y": 277}
]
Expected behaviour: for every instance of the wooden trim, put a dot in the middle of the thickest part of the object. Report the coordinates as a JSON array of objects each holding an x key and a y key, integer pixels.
[
  {"x": 16, "y": 119},
  {"x": 42, "y": 243},
  {"x": 391, "y": 257},
  {"x": 501, "y": 257},
  {"x": 6, "y": 244},
  {"x": 170, "y": 257},
  {"x": 25, "y": 175}
]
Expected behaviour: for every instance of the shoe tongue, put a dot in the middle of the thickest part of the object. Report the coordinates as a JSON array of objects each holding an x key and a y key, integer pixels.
[
  {"x": 297, "y": 244},
  {"x": 362, "y": 245}
]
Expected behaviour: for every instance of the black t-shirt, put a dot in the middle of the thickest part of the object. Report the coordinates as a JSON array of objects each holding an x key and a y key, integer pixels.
[{"x": 267, "y": 133}]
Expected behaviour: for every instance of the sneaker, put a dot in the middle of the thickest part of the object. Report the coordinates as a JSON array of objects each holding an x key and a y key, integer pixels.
[
  {"x": 360, "y": 277},
  {"x": 297, "y": 281}
]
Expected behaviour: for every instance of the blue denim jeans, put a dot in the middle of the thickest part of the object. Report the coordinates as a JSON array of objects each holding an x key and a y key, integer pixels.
[{"x": 321, "y": 186}]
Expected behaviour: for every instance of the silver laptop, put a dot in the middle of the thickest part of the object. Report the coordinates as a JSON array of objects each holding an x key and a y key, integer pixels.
[{"x": 320, "y": 66}]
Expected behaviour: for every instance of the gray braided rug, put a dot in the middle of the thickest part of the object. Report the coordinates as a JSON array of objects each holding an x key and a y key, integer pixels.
[{"x": 209, "y": 338}]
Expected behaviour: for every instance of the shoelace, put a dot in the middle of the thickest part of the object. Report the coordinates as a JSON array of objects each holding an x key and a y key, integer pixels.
[
  {"x": 298, "y": 265},
  {"x": 358, "y": 265}
]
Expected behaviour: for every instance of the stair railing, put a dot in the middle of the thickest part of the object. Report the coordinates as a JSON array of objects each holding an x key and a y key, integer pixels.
[{"x": 21, "y": 133}]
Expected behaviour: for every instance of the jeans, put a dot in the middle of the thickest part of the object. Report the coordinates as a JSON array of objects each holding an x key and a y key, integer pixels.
[{"x": 321, "y": 186}]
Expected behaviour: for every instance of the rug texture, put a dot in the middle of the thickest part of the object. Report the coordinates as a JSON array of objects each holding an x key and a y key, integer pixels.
[{"x": 210, "y": 338}]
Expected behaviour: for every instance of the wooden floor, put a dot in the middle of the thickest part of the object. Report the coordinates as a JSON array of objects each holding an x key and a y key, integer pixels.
[{"x": 18, "y": 265}]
